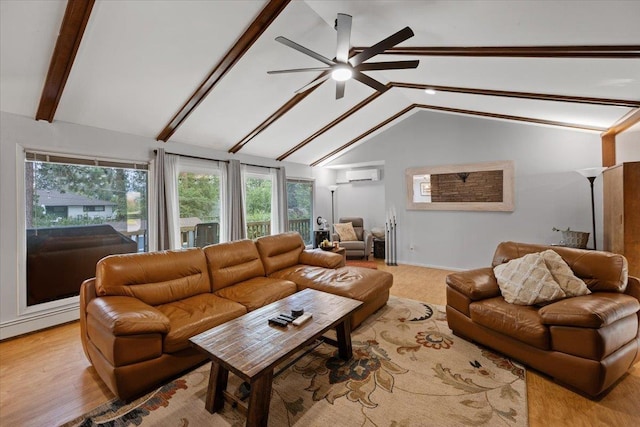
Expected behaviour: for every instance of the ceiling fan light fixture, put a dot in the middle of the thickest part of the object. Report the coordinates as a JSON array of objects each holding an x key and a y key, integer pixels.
[{"x": 341, "y": 74}]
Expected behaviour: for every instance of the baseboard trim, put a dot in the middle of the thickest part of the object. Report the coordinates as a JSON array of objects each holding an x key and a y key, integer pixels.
[
  {"x": 439, "y": 267},
  {"x": 25, "y": 325}
]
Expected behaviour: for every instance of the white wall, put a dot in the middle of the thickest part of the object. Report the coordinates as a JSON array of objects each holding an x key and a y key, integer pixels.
[
  {"x": 549, "y": 193},
  {"x": 628, "y": 145},
  {"x": 362, "y": 199},
  {"x": 19, "y": 132}
]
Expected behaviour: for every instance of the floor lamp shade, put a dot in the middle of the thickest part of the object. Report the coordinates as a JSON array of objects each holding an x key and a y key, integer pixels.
[{"x": 591, "y": 174}]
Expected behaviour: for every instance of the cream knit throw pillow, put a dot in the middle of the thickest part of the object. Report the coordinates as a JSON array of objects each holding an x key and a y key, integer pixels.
[
  {"x": 527, "y": 281},
  {"x": 563, "y": 275},
  {"x": 346, "y": 231}
]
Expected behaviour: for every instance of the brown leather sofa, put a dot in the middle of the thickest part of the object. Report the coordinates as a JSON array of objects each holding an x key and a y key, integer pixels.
[
  {"x": 137, "y": 314},
  {"x": 586, "y": 342}
]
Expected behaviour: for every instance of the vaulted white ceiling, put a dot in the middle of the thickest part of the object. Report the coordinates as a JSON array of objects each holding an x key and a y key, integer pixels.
[{"x": 140, "y": 61}]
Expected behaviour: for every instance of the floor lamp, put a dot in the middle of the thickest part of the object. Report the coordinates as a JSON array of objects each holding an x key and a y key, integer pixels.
[
  {"x": 332, "y": 188},
  {"x": 591, "y": 174}
]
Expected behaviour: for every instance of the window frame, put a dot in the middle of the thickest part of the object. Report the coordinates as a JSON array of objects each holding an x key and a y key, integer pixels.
[{"x": 23, "y": 154}]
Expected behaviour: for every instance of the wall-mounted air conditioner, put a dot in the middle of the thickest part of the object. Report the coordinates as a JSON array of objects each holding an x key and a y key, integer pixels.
[{"x": 363, "y": 175}]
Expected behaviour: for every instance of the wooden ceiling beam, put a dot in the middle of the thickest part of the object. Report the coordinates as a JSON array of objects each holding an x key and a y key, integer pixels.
[
  {"x": 246, "y": 40},
  {"x": 344, "y": 116},
  {"x": 615, "y": 51},
  {"x": 456, "y": 111},
  {"x": 272, "y": 118},
  {"x": 365, "y": 134},
  {"x": 524, "y": 95},
  {"x": 72, "y": 29},
  {"x": 471, "y": 91}
]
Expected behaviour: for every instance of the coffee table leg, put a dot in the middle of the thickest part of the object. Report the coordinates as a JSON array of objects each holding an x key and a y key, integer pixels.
[
  {"x": 217, "y": 385},
  {"x": 343, "y": 331},
  {"x": 258, "y": 411}
]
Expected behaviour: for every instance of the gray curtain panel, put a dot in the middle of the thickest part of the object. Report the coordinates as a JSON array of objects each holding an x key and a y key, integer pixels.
[
  {"x": 236, "y": 222},
  {"x": 282, "y": 215},
  {"x": 163, "y": 225}
]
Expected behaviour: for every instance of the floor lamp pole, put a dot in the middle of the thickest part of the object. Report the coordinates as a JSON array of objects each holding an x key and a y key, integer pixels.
[
  {"x": 593, "y": 212},
  {"x": 333, "y": 221}
]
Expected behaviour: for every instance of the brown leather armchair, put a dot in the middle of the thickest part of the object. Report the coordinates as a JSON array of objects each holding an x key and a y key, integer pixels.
[
  {"x": 587, "y": 342},
  {"x": 360, "y": 248}
]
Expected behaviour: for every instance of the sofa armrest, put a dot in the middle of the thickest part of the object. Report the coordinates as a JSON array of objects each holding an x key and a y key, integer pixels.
[
  {"x": 475, "y": 284},
  {"x": 127, "y": 316},
  {"x": 595, "y": 310},
  {"x": 335, "y": 237},
  {"x": 633, "y": 287},
  {"x": 321, "y": 258}
]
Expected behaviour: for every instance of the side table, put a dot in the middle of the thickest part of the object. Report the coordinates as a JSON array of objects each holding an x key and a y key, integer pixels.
[
  {"x": 319, "y": 236},
  {"x": 378, "y": 248}
]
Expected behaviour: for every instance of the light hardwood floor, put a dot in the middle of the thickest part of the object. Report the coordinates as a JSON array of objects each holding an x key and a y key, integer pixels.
[{"x": 46, "y": 380}]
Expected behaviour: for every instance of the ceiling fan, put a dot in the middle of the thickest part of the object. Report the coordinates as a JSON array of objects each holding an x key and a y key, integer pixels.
[{"x": 342, "y": 68}]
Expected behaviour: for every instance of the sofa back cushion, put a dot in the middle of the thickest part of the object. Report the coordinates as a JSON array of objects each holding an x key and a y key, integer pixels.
[
  {"x": 601, "y": 271},
  {"x": 233, "y": 262},
  {"x": 280, "y": 251},
  {"x": 154, "y": 278}
]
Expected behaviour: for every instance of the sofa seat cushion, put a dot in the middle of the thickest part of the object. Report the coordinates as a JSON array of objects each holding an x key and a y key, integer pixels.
[
  {"x": 362, "y": 284},
  {"x": 519, "y": 322},
  {"x": 258, "y": 292},
  {"x": 590, "y": 311},
  {"x": 193, "y": 315},
  {"x": 356, "y": 245}
]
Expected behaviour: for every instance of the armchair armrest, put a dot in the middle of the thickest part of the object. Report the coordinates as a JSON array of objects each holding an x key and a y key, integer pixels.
[
  {"x": 368, "y": 242},
  {"x": 475, "y": 284},
  {"x": 335, "y": 237},
  {"x": 321, "y": 259},
  {"x": 127, "y": 316}
]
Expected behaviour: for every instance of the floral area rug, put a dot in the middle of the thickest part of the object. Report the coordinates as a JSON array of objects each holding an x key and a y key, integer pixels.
[{"x": 407, "y": 369}]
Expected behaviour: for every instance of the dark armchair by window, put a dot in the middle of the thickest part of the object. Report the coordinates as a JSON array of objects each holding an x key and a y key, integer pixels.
[
  {"x": 207, "y": 233},
  {"x": 360, "y": 248}
]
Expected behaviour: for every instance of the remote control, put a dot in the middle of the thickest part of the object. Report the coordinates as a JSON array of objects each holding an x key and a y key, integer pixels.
[
  {"x": 286, "y": 318},
  {"x": 277, "y": 322},
  {"x": 300, "y": 320}
]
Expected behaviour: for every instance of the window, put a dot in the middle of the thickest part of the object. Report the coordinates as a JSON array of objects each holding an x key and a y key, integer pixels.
[
  {"x": 199, "y": 198},
  {"x": 78, "y": 211},
  {"x": 300, "y": 208},
  {"x": 258, "y": 204}
]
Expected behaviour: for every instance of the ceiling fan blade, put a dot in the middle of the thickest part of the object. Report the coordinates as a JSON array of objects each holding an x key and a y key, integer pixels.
[
  {"x": 381, "y": 46},
  {"x": 373, "y": 83},
  {"x": 344, "y": 37},
  {"x": 340, "y": 89},
  {"x": 315, "y": 82},
  {"x": 298, "y": 70},
  {"x": 285, "y": 41},
  {"x": 391, "y": 65}
]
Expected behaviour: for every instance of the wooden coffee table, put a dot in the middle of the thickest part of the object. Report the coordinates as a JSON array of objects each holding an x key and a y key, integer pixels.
[{"x": 251, "y": 348}]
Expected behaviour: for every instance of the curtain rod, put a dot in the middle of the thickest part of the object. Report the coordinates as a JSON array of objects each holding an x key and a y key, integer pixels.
[{"x": 214, "y": 160}]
